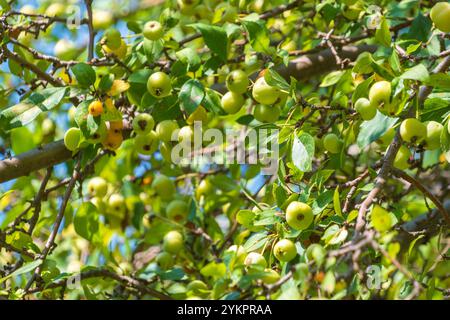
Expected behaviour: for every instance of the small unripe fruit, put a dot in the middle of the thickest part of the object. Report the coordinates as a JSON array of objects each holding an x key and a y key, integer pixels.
[
  {"x": 120, "y": 53},
  {"x": 270, "y": 277},
  {"x": 113, "y": 140},
  {"x": 177, "y": 210},
  {"x": 299, "y": 215},
  {"x": 166, "y": 151},
  {"x": 72, "y": 138},
  {"x": 55, "y": 10},
  {"x": 173, "y": 242},
  {"x": 164, "y": 187},
  {"x": 237, "y": 81},
  {"x": 402, "y": 157},
  {"x": 48, "y": 127},
  {"x": 197, "y": 287},
  {"x": 153, "y": 30},
  {"x": 116, "y": 205},
  {"x": 146, "y": 144},
  {"x": 379, "y": 93},
  {"x": 440, "y": 15},
  {"x": 99, "y": 135},
  {"x": 238, "y": 253},
  {"x": 116, "y": 126},
  {"x": 159, "y": 85},
  {"x": 255, "y": 259},
  {"x": 366, "y": 110},
  {"x": 265, "y": 113},
  {"x": 143, "y": 123},
  {"x": 232, "y": 102},
  {"x": 113, "y": 39},
  {"x": 264, "y": 93},
  {"x": 97, "y": 187},
  {"x": 186, "y": 135},
  {"x": 64, "y": 49},
  {"x": 285, "y": 250},
  {"x": 433, "y": 138},
  {"x": 164, "y": 260},
  {"x": 204, "y": 188},
  {"x": 315, "y": 252},
  {"x": 412, "y": 130},
  {"x": 102, "y": 19},
  {"x": 331, "y": 143},
  {"x": 165, "y": 129},
  {"x": 95, "y": 108}
]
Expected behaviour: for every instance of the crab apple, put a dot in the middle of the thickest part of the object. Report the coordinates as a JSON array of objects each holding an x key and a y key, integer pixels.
[
  {"x": 204, "y": 188},
  {"x": 116, "y": 126},
  {"x": 164, "y": 260},
  {"x": 159, "y": 85},
  {"x": 299, "y": 215},
  {"x": 332, "y": 143},
  {"x": 146, "y": 144},
  {"x": 64, "y": 49},
  {"x": 315, "y": 252},
  {"x": 402, "y": 158},
  {"x": 165, "y": 129},
  {"x": 143, "y": 123},
  {"x": 237, "y": 81},
  {"x": 366, "y": 110},
  {"x": 412, "y": 130},
  {"x": 255, "y": 259},
  {"x": 265, "y": 113},
  {"x": 166, "y": 151},
  {"x": 116, "y": 205},
  {"x": 232, "y": 102},
  {"x": 55, "y": 10},
  {"x": 270, "y": 276},
  {"x": 177, "y": 210},
  {"x": 102, "y": 19},
  {"x": 120, "y": 53},
  {"x": 285, "y": 250},
  {"x": 433, "y": 137},
  {"x": 153, "y": 30},
  {"x": 48, "y": 127},
  {"x": 99, "y": 135},
  {"x": 440, "y": 15},
  {"x": 95, "y": 108},
  {"x": 173, "y": 242},
  {"x": 113, "y": 140},
  {"x": 99, "y": 204},
  {"x": 187, "y": 7},
  {"x": 113, "y": 38},
  {"x": 379, "y": 93},
  {"x": 164, "y": 187},
  {"x": 72, "y": 138},
  {"x": 264, "y": 93},
  {"x": 200, "y": 114},
  {"x": 186, "y": 135},
  {"x": 97, "y": 187}
]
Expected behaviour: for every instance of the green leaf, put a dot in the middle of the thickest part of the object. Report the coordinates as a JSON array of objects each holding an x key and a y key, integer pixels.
[
  {"x": 274, "y": 79},
  {"x": 215, "y": 38},
  {"x": 363, "y": 63},
  {"x": 419, "y": 73},
  {"x": 382, "y": 34},
  {"x": 257, "y": 34},
  {"x": 420, "y": 28},
  {"x": 190, "y": 58},
  {"x": 303, "y": 152},
  {"x": 84, "y": 74},
  {"x": 362, "y": 89},
  {"x": 212, "y": 102},
  {"x": 86, "y": 221},
  {"x": 434, "y": 109},
  {"x": 374, "y": 129},
  {"x": 439, "y": 80},
  {"x": 256, "y": 241},
  {"x": 337, "y": 202},
  {"x": 22, "y": 140},
  {"x": 106, "y": 82},
  {"x": 24, "y": 269},
  {"x": 382, "y": 220},
  {"x": 332, "y": 78},
  {"x": 191, "y": 95}
]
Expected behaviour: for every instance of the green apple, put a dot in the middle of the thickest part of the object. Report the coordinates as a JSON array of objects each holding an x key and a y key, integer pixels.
[
  {"x": 299, "y": 215},
  {"x": 48, "y": 127},
  {"x": 315, "y": 252},
  {"x": 232, "y": 102},
  {"x": 113, "y": 38},
  {"x": 99, "y": 135},
  {"x": 264, "y": 93},
  {"x": 159, "y": 85},
  {"x": 237, "y": 81},
  {"x": 187, "y": 7},
  {"x": 164, "y": 187},
  {"x": 285, "y": 250},
  {"x": 146, "y": 144},
  {"x": 366, "y": 110},
  {"x": 64, "y": 49},
  {"x": 177, "y": 210},
  {"x": 412, "y": 130},
  {"x": 238, "y": 253},
  {"x": 55, "y": 10},
  {"x": 153, "y": 30},
  {"x": 402, "y": 158},
  {"x": 173, "y": 242},
  {"x": 270, "y": 276},
  {"x": 143, "y": 123},
  {"x": 380, "y": 93},
  {"x": 116, "y": 205},
  {"x": 265, "y": 113},
  {"x": 186, "y": 135},
  {"x": 97, "y": 187},
  {"x": 332, "y": 143},
  {"x": 166, "y": 151},
  {"x": 433, "y": 138},
  {"x": 164, "y": 260},
  {"x": 200, "y": 114},
  {"x": 165, "y": 129},
  {"x": 102, "y": 19},
  {"x": 72, "y": 138},
  {"x": 255, "y": 259},
  {"x": 204, "y": 188},
  {"x": 440, "y": 15}
]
